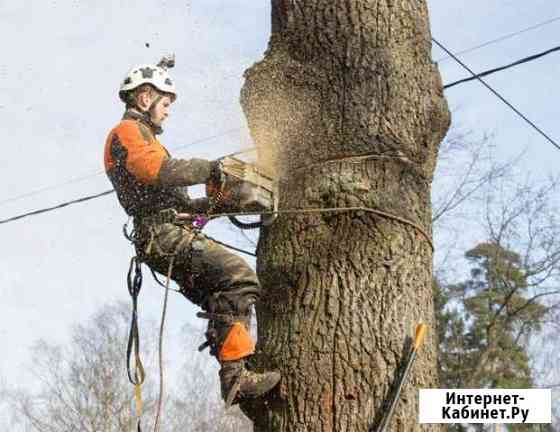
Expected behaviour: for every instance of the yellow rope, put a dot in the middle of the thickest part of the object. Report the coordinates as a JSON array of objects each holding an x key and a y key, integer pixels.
[
  {"x": 160, "y": 345},
  {"x": 138, "y": 399}
]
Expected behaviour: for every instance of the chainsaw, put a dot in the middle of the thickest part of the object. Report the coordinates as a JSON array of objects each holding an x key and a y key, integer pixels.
[{"x": 245, "y": 187}]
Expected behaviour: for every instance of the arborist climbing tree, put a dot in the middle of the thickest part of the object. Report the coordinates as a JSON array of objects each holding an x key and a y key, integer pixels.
[
  {"x": 151, "y": 187},
  {"x": 348, "y": 107}
]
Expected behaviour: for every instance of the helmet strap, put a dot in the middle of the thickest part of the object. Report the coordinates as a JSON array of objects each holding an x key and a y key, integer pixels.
[
  {"x": 148, "y": 114},
  {"x": 152, "y": 107}
]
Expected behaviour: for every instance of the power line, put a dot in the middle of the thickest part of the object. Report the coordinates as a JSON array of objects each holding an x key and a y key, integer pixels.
[
  {"x": 501, "y": 68},
  {"x": 99, "y": 195},
  {"x": 500, "y": 39},
  {"x": 87, "y": 198},
  {"x": 56, "y": 207},
  {"x": 499, "y": 96},
  {"x": 221, "y": 134},
  {"x": 51, "y": 187},
  {"x": 96, "y": 173}
]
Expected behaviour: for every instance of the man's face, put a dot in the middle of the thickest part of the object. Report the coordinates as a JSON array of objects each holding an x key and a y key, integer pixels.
[{"x": 160, "y": 111}]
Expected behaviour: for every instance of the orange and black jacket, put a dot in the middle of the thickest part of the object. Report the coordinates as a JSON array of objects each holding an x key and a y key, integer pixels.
[{"x": 146, "y": 178}]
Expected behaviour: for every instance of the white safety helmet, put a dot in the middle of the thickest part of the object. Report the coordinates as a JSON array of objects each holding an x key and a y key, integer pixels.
[{"x": 155, "y": 75}]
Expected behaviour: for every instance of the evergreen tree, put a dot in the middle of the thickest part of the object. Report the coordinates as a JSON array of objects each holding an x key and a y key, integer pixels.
[
  {"x": 483, "y": 323},
  {"x": 451, "y": 334},
  {"x": 498, "y": 318}
]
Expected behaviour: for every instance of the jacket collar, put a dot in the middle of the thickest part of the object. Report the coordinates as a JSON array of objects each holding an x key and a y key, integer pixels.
[{"x": 132, "y": 114}]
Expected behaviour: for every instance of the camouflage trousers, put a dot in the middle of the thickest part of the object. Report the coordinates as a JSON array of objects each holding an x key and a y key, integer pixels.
[{"x": 209, "y": 275}]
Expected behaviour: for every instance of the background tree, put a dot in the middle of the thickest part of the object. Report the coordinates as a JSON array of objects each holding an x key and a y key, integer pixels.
[
  {"x": 349, "y": 109},
  {"x": 545, "y": 358},
  {"x": 495, "y": 327},
  {"x": 466, "y": 167},
  {"x": 4, "y": 405},
  {"x": 496, "y": 318},
  {"x": 451, "y": 336},
  {"x": 83, "y": 386}
]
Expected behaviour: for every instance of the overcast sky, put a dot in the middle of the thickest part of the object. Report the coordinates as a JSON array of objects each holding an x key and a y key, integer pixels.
[{"x": 60, "y": 66}]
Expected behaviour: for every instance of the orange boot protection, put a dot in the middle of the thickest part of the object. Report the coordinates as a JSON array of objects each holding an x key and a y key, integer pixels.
[{"x": 238, "y": 344}]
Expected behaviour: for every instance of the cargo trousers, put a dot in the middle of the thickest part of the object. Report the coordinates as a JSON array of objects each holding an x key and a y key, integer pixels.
[{"x": 208, "y": 274}]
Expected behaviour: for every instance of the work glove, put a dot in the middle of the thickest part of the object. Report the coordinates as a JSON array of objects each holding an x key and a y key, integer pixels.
[
  {"x": 217, "y": 175},
  {"x": 215, "y": 187}
]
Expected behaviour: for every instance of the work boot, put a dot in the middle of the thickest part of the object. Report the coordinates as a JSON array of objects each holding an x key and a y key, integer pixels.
[{"x": 238, "y": 383}]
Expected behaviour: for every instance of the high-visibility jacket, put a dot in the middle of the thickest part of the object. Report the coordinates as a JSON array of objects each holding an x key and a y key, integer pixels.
[{"x": 145, "y": 176}]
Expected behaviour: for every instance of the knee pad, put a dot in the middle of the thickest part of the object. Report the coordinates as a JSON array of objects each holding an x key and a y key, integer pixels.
[
  {"x": 229, "y": 315},
  {"x": 228, "y": 341},
  {"x": 237, "y": 344}
]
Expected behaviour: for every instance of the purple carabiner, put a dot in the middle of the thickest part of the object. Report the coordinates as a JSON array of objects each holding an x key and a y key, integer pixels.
[{"x": 199, "y": 222}]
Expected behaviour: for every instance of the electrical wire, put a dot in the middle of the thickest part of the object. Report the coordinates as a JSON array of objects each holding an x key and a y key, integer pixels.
[
  {"x": 499, "y": 39},
  {"x": 51, "y": 187},
  {"x": 56, "y": 207},
  {"x": 221, "y": 134},
  {"x": 502, "y": 68},
  {"x": 498, "y": 95}
]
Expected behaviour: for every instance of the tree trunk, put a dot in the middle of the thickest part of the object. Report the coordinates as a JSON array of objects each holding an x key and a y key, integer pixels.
[{"x": 348, "y": 109}]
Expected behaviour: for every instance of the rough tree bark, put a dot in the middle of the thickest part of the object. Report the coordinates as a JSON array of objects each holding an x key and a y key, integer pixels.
[{"x": 343, "y": 291}]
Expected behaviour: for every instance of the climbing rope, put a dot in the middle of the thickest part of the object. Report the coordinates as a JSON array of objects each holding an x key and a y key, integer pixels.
[
  {"x": 355, "y": 159},
  {"x": 163, "y": 284},
  {"x": 381, "y": 213},
  {"x": 171, "y": 257},
  {"x": 160, "y": 343}
]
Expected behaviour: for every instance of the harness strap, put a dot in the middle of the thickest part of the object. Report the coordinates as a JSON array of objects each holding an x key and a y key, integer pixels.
[
  {"x": 134, "y": 286},
  {"x": 137, "y": 378}
]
